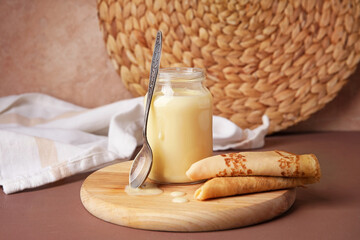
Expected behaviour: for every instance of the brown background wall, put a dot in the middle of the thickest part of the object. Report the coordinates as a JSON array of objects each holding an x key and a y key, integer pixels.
[{"x": 56, "y": 47}]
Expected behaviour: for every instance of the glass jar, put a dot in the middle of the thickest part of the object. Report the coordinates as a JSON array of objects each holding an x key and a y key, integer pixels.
[{"x": 180, "y": 124}]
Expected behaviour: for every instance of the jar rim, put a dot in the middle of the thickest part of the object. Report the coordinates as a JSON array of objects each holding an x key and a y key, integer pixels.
[{"x": 181, "y": 74}]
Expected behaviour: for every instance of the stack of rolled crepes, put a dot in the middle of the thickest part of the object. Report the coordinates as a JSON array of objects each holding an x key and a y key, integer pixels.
[{"x": 249, "y": 172}]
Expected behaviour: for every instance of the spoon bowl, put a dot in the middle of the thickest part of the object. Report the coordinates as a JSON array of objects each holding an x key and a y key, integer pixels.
[{"x": 141, "y": 166}]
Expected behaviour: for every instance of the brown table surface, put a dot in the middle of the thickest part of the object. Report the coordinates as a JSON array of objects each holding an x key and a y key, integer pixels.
[{"x": 327, "y": 210}]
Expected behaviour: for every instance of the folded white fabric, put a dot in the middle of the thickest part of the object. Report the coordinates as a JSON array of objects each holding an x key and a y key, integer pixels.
[{"x": 44, "y": 139}]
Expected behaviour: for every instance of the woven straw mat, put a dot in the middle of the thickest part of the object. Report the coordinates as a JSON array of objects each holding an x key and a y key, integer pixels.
[{"x": 285, "y": 59}]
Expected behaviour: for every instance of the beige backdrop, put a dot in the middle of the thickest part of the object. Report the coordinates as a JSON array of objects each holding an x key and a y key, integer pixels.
[{"x": 56, "y": 47}]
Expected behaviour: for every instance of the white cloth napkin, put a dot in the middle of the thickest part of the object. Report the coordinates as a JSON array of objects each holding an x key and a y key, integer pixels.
[{"x": 44, "y": 139}]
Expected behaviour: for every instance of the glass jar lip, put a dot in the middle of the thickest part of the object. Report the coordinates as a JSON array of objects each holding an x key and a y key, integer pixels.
[{"x": 180, "y": 74}]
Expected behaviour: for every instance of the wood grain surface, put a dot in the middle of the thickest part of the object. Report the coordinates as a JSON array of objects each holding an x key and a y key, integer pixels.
[{"x": 103, "y": 195}]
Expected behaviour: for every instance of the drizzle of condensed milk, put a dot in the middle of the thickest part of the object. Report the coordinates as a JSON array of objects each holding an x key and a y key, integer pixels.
[
  {"x": 177, "y": 194},
  {"x": 180, "y": 200},
  {"x": 147, "y": 188}
]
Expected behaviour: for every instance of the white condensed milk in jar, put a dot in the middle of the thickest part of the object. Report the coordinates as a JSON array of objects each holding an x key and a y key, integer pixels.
[{"x": 180, "y": 124}]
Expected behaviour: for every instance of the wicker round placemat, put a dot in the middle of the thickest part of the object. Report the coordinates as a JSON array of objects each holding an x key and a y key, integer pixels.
[{"x": 285, "y": 59}]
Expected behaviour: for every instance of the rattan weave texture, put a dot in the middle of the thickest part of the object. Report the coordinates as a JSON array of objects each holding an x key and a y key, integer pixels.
[{"x": 286, "y": 59}]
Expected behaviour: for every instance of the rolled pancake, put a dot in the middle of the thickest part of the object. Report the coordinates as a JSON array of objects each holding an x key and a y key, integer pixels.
[
  {"x": 228, "y": 186},
  {"x": 270, "y": 163}
]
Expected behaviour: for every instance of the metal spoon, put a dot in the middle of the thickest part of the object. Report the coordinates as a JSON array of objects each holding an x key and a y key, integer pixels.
[{"x": 142, "y": 163}]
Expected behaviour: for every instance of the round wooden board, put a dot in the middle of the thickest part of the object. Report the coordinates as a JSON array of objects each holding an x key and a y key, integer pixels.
[{"x": 103, "y": 195}]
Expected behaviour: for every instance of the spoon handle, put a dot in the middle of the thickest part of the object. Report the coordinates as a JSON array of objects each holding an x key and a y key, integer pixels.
[{"x": 154, "y": 70}]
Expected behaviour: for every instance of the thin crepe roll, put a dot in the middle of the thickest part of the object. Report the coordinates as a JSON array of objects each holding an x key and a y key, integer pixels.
[
  {"x": 270, "y": 163},
  {"x": 229, "y": 186}
]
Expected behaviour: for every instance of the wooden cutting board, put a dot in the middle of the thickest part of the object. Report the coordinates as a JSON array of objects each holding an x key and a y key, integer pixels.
[{"x": 103, "y": 195}]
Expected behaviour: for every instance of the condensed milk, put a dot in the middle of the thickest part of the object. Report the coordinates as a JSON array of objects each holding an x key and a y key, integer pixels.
[
  {"x": 180, "y": 124},
  {"x": 147, "y": 188},
  {"x": 180, "y": 200},
  {"x": 177, "y": 194}
]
